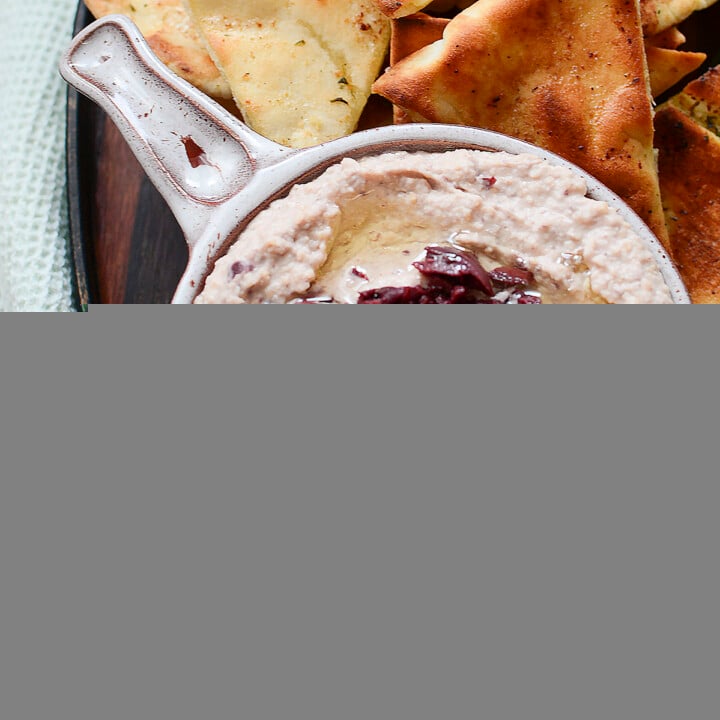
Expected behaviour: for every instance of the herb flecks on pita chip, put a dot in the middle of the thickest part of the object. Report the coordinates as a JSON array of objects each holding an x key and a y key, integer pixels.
[
  {"x": 300, "y": 70},
  {"x": 701, "y": 100},
  {"x": 166, "y": 26},
  {"x": 658, "y": 15},
  {"x": 687, "y": 135},
  {"x": 503, "y": 65}
]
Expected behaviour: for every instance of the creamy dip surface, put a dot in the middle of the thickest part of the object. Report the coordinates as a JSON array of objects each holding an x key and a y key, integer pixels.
[{"x": 363, "y": 223}]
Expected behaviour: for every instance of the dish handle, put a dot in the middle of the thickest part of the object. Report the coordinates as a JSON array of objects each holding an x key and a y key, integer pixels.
[{"x": 195, "y": 152}]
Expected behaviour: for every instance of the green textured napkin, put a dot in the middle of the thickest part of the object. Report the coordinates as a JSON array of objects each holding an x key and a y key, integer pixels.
[{"x": 35, "y": 270}]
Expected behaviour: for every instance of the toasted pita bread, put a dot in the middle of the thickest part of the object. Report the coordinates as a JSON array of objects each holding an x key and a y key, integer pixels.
[
  {"x": 668, "y": 67},
  {"x": 166, "y": 26},
  {"x": 503, "y": 65},
  {"x": 687, "y": 135},
  {"x": 671, "y": 39},
  {"x": 414, "y": 32},
  {"x": 658, "y": 15},
  {"x": 401, "y": 8},
  {"x": 689, "y": 160},
  {"x": 701, "y": 100},
  {"x": 300, "y": 70},
  {"x": 410, "y": 34}
]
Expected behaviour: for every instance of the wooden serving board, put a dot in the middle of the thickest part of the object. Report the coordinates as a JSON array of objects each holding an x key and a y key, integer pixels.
[{"x": 126, "y": 245}]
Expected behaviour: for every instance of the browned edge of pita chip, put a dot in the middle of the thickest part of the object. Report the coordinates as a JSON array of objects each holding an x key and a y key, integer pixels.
[
  {"x": 411, "y": 33},
  {"x": 408, "y": 35},
  {"x": 689, "y": 161}
]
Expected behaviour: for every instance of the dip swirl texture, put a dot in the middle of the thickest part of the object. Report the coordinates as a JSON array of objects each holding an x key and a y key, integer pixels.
[{"x": 363, "y": 223}]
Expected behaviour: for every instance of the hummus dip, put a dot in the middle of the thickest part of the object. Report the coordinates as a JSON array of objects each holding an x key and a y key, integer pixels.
[{"x": 368, "y": 223}]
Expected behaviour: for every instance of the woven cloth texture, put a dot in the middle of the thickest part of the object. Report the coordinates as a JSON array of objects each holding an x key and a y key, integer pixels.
[{"x": 35, "y": 269}]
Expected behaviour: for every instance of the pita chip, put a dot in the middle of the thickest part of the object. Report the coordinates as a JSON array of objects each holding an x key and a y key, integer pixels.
[
  {"x": 300, "y": 70},
  {"x": 583, "y": 93},
  {"x": 701, "y": 100},
  {"x": 686, "y": 135},
  {"x": 659, "y": 15},
  {"x": 401, "y": 8},
  {"x": 689, "y": 162},
  {"x": 166, "y": 26},
  {"x": 668, "y": 67},
  {"x": 408, "y": 35},
  {"x": 414, "y": 32},
  {"x": 671, "y": 39}
]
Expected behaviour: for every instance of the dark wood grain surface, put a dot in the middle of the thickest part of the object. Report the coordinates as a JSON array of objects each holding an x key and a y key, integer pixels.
[{"x": 127, "y": 246}]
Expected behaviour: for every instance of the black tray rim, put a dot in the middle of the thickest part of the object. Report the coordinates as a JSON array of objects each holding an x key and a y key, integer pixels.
[{"x": 84, "y": 281}]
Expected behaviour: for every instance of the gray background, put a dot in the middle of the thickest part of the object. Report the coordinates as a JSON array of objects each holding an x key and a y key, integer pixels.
[{"x": 302, "y": 514}]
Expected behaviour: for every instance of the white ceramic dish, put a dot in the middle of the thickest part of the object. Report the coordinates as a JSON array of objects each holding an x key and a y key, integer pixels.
[{"x": 216, "y": 174}]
